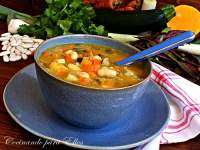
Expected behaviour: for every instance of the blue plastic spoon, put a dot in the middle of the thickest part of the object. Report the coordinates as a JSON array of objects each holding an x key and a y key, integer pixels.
[{"x": 169, "y": 44}]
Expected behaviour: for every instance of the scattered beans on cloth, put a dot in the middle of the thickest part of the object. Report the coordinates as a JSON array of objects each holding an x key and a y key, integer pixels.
[{"x": 16, "y": 47}]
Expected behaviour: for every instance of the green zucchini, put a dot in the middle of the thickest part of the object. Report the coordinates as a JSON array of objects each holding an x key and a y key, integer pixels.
[{"x": 135, "y": 22}]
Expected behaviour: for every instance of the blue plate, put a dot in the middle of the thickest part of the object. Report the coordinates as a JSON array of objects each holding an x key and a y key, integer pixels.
[{"x": 25, "y": 103}]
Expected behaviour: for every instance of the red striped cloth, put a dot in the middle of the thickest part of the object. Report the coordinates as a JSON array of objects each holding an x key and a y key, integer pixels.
[{"x": 184, "y": 99}]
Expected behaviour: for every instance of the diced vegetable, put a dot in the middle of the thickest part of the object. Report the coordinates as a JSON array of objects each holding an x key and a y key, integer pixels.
[
  {"x": 97, "y": 57},
  {"x": 84, "y": 75},
  {"x": 93, "y": 67},
  {"x": 58, "y": 69},
  {"x": 106, "y": 62},
  {"x": 128, "y": 73},
  {"x": 106, "y": 72},
  {"x": 93, "y": 75},
  {"x": 68, "y": 58},
  {"x": 71, "y": 77},
  {"x": 73, "y": 67},
  {"x": 108, "y": 83},
  {"x": 68, "y": 52},
  {"x": 46, "y": 54},
  {"x": 74, "y": 55},
  {"x": 84, "y": 81},
  {"x": 61, "y": 61}
]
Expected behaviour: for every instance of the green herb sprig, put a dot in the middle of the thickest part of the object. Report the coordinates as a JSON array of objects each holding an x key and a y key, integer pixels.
[{"x": 63, "y": 17}]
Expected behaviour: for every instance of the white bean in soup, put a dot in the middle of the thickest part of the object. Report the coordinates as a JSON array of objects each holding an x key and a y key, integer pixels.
[{"x": 90, "y": 65}]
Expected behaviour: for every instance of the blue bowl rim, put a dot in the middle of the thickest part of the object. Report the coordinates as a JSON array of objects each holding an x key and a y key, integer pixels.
[{"x": 82, "y": 86}]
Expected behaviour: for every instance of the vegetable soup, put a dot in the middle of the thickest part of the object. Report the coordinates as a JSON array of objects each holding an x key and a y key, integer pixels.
[{"x": 91, "y": 66}]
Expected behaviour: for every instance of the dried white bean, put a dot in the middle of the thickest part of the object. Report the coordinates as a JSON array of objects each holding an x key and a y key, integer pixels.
[
  {"x": 4, "y": 53},
  {"x": 4, "y": 42},
  {"x": 11, "y": 39},
  {"x": 35, "y": 45},
  {"x": 16, "y": 35},
  {"x": 5, "y": 58},
  {"x": 27, "y": 40},
  {"x": 15, "y": 58},
  {"x": 38, "y": 40},
  {"x": 14, "y": 43},
  {"x": 106, "y": 72},
  {"x": 28, "y": 52},
  {"x": 21, "y": 49},
  {"x": 18, "y": 39},
  {"x": 5, "y": 34},
  {"x": 32, "y": 49},
  {"x": 4, "y": 38},
  {"x": 4, "y": 47},
  {"x": 9, "y": 48},
  {"x": 18, "y": 47},
  {"x": 24, "y": 56},
  {"x": 19, "y": 42},
  {"x": 26, "y": 45},
  {"x": 12, "y": 54},
  {"x": 17, "y": 52},
  {"x": 26, "y": 36},
  {"x": 12, "y": 49}
]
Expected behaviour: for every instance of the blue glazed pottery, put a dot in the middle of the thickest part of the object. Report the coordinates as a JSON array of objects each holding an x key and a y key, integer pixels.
[
  {"x": 26, "y": 105},
  {"x": 83, "y": 106}
]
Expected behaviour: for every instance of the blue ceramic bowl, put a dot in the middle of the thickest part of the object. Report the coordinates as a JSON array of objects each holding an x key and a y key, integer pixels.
[{"x": 84, "y": 106}]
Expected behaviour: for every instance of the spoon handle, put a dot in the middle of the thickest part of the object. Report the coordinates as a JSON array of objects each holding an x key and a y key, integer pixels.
[{"x": 169, "y": 44}]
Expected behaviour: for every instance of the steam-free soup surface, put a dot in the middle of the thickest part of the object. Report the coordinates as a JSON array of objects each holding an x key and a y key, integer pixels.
[{"x": 90, "y": 65}]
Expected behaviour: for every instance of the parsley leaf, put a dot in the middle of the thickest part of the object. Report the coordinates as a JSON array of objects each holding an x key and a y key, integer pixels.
[{"x": 63, "y": 17}]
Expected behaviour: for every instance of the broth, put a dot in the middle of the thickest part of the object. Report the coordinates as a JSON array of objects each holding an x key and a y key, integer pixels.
[{"x": 91, "y": 66}]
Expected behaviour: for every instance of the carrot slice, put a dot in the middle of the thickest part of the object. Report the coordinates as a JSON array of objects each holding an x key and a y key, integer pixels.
[
  {"x": 45, "y": 54},
  {"x": 96, "y": 62},
  {"x": 62, "y": 73},
  {"x": 83, "y": 81},
  {"x": 93, "y": 75},
  {"x": 68, "y": 58},
  {"x": 91, "y": 66},
  {"x": 86, "y": 67},
  {"x": 187, "y": 18},
  {"x": 95, "y": 67}
]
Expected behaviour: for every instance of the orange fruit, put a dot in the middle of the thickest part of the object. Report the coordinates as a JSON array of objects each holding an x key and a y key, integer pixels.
[{"x": 187, "y": 18}]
